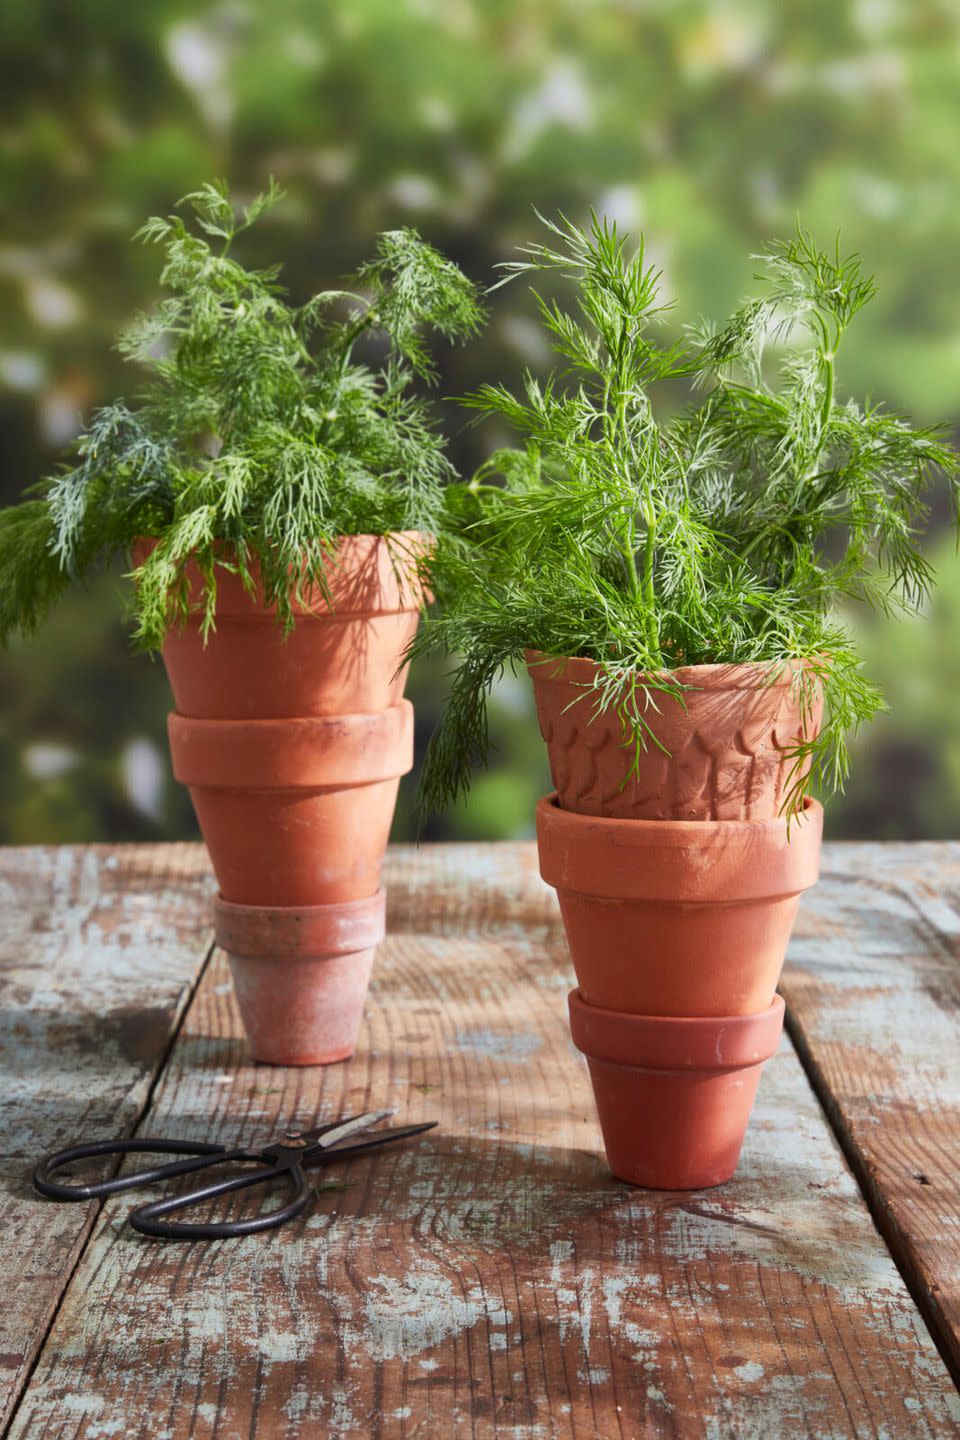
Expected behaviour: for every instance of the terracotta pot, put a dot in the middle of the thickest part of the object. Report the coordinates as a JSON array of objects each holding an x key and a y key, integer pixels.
[
  {"x": 726, "y": 747},
  {"x": 678, "y": 917},
  {"x": 292, "y": 747},
  {"x": 343, "y": 655},
  {"x": 674, "y": 1095},
  {"x": 301, "y": 975},
  {"x": 297, "y": 811}
]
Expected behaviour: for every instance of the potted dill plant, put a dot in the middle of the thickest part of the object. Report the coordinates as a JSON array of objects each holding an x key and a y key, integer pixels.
[
  {"x": 673, "y": 580},
  {"x": 276, "y": 496}
]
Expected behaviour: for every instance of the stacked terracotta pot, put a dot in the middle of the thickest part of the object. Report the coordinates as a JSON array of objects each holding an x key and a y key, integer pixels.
[
  {"x": 292, "y": 748},
  {"x": 678, "y": 888}
]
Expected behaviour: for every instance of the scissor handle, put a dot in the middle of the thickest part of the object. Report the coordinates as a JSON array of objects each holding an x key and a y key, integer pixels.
[
  {"x": 56, "y": 1189},
  {"x": 149, "y": 1219}
]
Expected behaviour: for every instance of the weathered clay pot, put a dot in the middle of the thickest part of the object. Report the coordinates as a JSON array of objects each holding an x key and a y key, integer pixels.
[
  {"x": 674, "y": 1095},
  {"x": 292, "y": 747},
  {"x": 301, "y": 975},
  {"x": 295, "y": 812},
  {"x": 726, "y": 748},
  {"x": 678, "y": 879},
  {"x": 342, "y": 657},
  {"x": 678, "y": 917}
]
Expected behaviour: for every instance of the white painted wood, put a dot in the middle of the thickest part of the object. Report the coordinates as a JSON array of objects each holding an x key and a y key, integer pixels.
[
  {"x": 873, "y": 992},
  {"x": 490, "y": 1279},
  {"x": 99, "y": 950}
]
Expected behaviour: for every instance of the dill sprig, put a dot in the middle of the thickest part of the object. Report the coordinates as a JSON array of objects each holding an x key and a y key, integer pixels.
[
  {"x": 258, "y": 435},
  {"x": 728, "y": 531}
]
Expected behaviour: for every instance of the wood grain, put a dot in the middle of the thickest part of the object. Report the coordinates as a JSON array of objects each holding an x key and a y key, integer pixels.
[
  {"x": 873, "y": 989},
  {"x": 98, "y": 952},
  {"x": 491, "y": 1279},
  {"x": 471, "y": 889}
]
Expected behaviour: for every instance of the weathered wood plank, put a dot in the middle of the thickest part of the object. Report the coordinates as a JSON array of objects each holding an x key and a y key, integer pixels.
[
  {"x": 873, "y": 989},
  {"x": 490, "y": 1279},
  {"x": 98, "y": 951},
  {"x": 470, "y": 889}
]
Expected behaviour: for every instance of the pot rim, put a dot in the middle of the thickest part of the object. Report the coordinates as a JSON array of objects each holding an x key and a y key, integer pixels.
[
  {"x": 303, "y": 752},
  {"x": 366, "y": 540},
  {"x": 694, "y": 862},
  {"x": 741, "y": 675},
  {"x": 398, "y": 593},
  {"x": 675, "y": 1043},
  {"x": 294, "y": 932}
]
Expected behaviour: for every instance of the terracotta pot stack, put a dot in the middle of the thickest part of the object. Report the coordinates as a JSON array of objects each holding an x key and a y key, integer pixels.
[
  {"x": 292, "y": 749},
  {"x": 678, "y": 888}
]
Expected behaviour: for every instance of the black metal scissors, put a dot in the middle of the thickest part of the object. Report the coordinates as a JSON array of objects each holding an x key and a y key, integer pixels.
[{"x": 285, "y": 1160}]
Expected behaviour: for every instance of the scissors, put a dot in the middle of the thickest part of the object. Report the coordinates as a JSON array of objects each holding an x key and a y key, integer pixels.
[{"x": 285, "y": 1161}]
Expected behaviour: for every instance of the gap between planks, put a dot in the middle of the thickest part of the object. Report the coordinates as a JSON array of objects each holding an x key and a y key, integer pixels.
[
  {"x": 872, "y": 985},
  {"x": 876, "y": 1202},
  {"x": 96, "y": 1205},
  {"x": 495, "y": 1276},
  {"x": 99, "y": 962}
]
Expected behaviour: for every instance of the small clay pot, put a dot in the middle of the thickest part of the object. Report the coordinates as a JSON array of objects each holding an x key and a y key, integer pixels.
[
  {"x": 674, "y": 1095},
  {"x": 678, "y": 917},
  {"x": 343, "y": 655},
  {"x": 295, "y": 812},
  {"x": 725, "y": 748},
  {"x": 301, "y": 974}
]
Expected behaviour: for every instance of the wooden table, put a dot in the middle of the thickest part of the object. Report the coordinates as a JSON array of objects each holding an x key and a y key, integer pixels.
[{"x": 491, "y": 1279}]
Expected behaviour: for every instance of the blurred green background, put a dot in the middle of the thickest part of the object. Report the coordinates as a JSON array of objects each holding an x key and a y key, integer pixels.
[{"x": 709, "y": 125}]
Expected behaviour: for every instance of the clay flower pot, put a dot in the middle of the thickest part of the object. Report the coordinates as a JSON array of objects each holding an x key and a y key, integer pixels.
[
  {"x": 678, "y": 878},
  {"x": 674, "y": 1095},
  {"x": 301, "y": 975},
  {"x": 295, "y": 812},
  {"x": 726, "y": 749},
  {"x": 342, "y": 657},
  {"x": 678, "y": 917},
  {"x": 292, "y": 747}
]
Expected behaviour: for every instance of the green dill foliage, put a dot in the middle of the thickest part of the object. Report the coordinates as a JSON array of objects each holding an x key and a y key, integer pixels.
[
  {"x": 259, "y": 436},
  {"x": 728, "y": 530}
]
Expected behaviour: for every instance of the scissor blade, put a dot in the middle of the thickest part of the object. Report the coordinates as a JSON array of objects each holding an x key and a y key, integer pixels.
[
  {"x": 326, "y": 1135},
  {"x": 367, "y": 1142}
]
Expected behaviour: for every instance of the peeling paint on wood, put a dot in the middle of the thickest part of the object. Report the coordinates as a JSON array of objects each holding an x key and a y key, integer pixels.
[
  {"x": 491, "y": 1279},
  {"x": 98, "y": 950},
  {"x": 873, "y": 989}
]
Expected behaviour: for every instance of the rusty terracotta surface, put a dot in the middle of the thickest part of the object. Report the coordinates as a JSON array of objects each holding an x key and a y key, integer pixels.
[
  {"x": 311, "y": 752},
  {"x": 292, "y": 747},
  {"x": 721, "y": 754},
  {"x": 491, "y": 1279}
]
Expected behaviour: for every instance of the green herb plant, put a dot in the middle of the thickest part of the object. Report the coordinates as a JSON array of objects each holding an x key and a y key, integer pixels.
[
  {"x": 728, "y": 523},
  {"x": 258, "y": 439}
]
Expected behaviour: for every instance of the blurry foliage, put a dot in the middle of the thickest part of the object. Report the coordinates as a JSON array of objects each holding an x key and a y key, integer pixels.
[
  {"x": 256, "y": 427},
  {"x": 708, "y": 124},
  {"x": 906, "y": 780}
]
